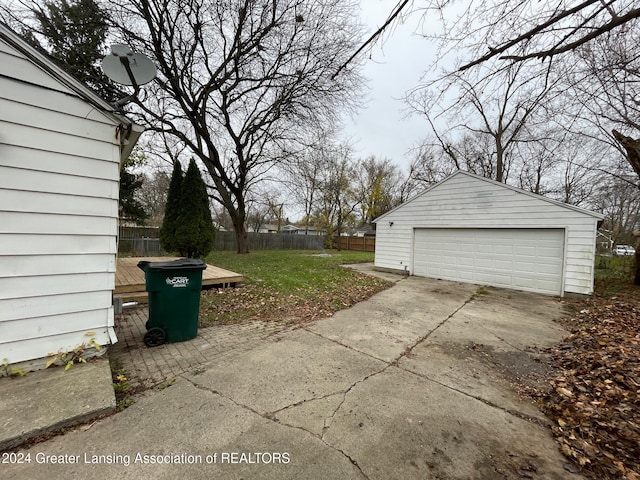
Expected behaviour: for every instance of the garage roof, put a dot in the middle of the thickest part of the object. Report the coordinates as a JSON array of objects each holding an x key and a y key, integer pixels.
[{"x": 599, "y": 216}]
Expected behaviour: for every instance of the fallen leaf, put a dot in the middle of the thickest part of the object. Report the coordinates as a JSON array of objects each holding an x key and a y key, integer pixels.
[{"x": 564, "y": 391}]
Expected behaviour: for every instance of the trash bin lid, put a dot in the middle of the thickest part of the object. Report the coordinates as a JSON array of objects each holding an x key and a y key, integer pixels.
[{"x": 179, "y": 264}]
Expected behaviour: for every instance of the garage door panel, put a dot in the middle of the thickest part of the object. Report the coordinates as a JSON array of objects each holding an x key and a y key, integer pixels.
[
  {"x": 500, "y": 248},
  {"x": 527, "y": 251},
  {"x": 524, "y": 267},
  {"x": 437, "y": 271},
  {"x": 468, "y": 248},
  {"x": 549, "y": 252},
  {"x": 484, "y": 263},
  {"x": 526, "y": 259},
  {"x": 546, "y": 269},
  {"x": 549, "y": 257},
  {"x": 499, "y": 279},
  {"x": 463, "y": 262},
  {"x": 467, "y": 276},
  {"x": 503, "y": 264},
  {"x": 548, "y": 285},
  {"x": 482, "y": 248}
]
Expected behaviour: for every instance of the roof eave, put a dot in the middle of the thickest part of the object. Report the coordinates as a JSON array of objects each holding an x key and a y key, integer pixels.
[
  {"x": 596, "y": 215},
  {"x": 45, "y": 63}
]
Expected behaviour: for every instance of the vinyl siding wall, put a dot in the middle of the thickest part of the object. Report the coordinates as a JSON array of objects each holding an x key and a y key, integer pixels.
[
  {"x": 465, "y": 201},
  {"x": 59, "y": 174}
]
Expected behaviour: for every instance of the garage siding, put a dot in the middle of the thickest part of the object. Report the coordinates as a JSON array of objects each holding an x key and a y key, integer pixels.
[{"x": 465, "y": 200}]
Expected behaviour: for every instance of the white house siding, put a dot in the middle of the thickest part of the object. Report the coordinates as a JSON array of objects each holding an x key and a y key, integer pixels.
[
  {"x": 59, "y": 174},
  {"x": 467, "y": 201}
]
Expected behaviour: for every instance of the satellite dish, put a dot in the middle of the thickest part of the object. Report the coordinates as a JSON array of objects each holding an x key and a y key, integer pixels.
[
  {"x": 141, "y": 69},
  {"x": 128, "y": 68}
]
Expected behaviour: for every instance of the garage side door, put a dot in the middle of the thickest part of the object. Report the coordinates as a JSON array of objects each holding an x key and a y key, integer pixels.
[{"x": 523, "y": 259}]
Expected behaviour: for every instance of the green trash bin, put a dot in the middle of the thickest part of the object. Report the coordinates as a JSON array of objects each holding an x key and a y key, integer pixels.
[{"x": 174, "y": 299}]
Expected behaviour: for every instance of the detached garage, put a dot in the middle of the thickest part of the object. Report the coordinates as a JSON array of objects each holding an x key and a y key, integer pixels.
[{"x": 472, "y": 229}]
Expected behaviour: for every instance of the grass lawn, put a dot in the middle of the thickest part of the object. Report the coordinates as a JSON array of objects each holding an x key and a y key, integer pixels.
[
  {"x": 614, "y": 267},
  {"x": 288, "y": 286},
  {"x": 614, "y": 275}
]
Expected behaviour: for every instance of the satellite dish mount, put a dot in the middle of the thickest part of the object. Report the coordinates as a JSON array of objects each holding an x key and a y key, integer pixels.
[{"x": 128, "y": 68}]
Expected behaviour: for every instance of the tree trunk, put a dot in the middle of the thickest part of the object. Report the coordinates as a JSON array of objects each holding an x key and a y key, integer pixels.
[
  {"x": 238, "y": 219},
  {"x": 499, "y": 163},
  {"x": 632, "y": 147},
  {"x": 241, "y": 241},
  {"x": 241, "y": 237}
]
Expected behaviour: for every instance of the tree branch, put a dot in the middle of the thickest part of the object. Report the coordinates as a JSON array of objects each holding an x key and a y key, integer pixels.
[
  {"x": 374, "y": 36},
  {"x": 616, "y": 22}
]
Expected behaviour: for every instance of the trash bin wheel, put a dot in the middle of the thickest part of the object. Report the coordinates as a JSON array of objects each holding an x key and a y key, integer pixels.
[{"x": 154, "y": 337}]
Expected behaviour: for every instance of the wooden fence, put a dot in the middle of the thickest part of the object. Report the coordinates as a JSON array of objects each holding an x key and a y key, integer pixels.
[
  {"x": 139, "y": 241},
  {"x": 126, "y": 231},
  {"x": 270, "y": 241},
  {"x": 361, "y": 244},
  {"x": 144, "y": 241}
]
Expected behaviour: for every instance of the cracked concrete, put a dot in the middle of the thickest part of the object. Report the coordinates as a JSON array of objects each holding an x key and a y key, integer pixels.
[
  {"x": 396, "y": 318},
  {"x": 308, "y": 365},
  {"x": 314, "y": 415},
  {"x": 422, "y": 436},
  {"x": 413, "y": 383}
]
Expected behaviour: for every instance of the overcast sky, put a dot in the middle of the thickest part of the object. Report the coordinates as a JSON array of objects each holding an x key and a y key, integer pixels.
[{"x": 382, "y": 128}]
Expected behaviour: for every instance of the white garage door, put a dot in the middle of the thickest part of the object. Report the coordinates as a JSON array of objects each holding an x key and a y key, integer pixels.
[{"x": 523, "y": 259}]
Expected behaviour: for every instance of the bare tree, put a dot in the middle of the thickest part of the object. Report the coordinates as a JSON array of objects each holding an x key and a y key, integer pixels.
[
  {"x": 221, "y": 218},
  {"x": 539, "y": 161},
  {"x": 305, "y": 173},
  {"x": 239, "y": 80},
  {"x": 488, "y": 117},
  {"x": 592, "y": 46},
  {"x": 513, "y": 31},
  {"x": 620, "y": 202},
  {"x": 258, "y": 215},
  {"x": 577, "y": 185},
  {"x": 539, "y": 30},
  {"x": 152, "y": 195},
  {"x": 603, "y": 80},
  {"x": 604, "y": 35},
  {"x": 265, "y": 206},
  {"x": 337, "y": 201},
  {"x": 425, "y": 170}
]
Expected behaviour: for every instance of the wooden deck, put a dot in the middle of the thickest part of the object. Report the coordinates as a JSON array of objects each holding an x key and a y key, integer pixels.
[{"x": 130, "y": 283}]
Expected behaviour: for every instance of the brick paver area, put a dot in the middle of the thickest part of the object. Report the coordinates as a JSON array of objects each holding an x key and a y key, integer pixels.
[{"x": 150, "y": 367}]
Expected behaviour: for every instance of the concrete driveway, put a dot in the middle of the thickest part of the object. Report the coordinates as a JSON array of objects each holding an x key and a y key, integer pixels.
[{"x": 415, "y": 383}]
